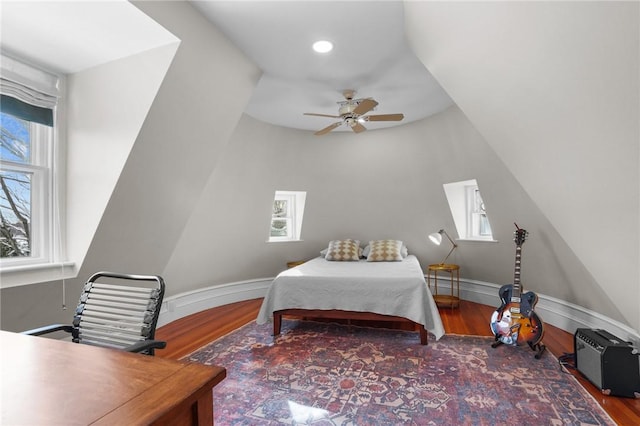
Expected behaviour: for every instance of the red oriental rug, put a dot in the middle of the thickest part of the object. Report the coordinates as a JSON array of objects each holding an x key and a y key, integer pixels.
[{"x": 330, "y": 374}]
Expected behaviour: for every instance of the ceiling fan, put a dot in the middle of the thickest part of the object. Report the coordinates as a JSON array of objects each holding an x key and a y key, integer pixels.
[{"x": 352, "y": 113}]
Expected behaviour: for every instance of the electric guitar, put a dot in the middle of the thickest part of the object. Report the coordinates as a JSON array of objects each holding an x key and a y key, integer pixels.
[{"x": 514, "y": 322}]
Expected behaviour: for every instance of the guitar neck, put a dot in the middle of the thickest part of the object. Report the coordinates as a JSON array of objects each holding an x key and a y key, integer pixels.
[{"x": 517, "y": 288}]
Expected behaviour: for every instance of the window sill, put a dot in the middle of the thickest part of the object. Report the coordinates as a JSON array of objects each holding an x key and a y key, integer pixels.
[
  {"x": 476, "y": 240},
  {"x": 284, "y": 241},
  {"x": 15, "y": 276}
]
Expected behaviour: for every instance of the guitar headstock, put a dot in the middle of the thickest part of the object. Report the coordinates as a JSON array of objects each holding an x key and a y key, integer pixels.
[{"x": 519, "y": 235}]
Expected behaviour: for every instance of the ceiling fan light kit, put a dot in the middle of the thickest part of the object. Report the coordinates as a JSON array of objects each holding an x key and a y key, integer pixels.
[{"x": 352, "y": 112}]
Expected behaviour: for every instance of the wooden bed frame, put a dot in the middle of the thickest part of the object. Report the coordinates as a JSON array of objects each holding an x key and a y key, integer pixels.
[{"x": 346, "y": 315}]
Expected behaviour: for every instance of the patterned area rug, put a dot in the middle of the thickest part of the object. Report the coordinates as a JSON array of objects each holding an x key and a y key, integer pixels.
[{"x": 330, "y": 374}]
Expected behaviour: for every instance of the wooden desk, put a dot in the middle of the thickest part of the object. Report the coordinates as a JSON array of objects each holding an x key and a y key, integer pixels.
[{"x": 47, "y": 381}]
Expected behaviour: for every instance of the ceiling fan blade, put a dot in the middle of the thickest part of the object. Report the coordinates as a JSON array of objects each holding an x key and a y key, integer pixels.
[
  {"x": 365, "y": 106},
  {"x": 357, "y": 127},
  {"x": 327, "y": 129},
  {"x": 384, "y": 117},
  {"x": 321, "y": 115}
]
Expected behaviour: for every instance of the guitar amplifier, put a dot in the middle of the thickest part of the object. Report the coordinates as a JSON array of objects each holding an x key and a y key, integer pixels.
[{"x": 610, "y": 363}]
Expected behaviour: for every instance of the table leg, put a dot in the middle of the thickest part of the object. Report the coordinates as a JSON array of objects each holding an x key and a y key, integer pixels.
[{"x": 204, "y": 409}]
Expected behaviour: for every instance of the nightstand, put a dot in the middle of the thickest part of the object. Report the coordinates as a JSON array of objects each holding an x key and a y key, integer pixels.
[
  {"x": 451, "y": 300},
  {"x": 295, "y": 263}
]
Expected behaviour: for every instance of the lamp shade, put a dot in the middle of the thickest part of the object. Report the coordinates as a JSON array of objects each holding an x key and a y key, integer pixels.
[{"x": 436, "y": 238}]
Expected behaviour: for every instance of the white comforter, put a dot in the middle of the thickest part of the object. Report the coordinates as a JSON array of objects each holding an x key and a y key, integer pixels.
[{"x": 388, "y": 288}]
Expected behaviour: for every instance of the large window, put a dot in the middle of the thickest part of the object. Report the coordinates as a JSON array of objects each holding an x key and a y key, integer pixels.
[
  {"x": 27, "y": 148},
  {"x": 468, "y": 210},
  {"x": 286, "y": 215}
]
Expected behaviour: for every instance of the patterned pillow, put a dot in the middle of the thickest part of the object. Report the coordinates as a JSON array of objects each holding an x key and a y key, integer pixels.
[
  {"x": 404, "y": 251},
  {"x": 385, "y": 251},
  {"x": 343, "y": 250}
]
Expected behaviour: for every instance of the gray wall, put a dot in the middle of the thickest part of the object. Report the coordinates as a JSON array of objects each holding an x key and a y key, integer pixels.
[
  {"x": 554, "y": 88},
  {"x": 188, "y": 124},
  {"x": 378, "y": 184}
]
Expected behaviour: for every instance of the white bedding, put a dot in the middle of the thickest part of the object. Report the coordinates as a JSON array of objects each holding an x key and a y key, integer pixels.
[{"x": 388, "y": 288}]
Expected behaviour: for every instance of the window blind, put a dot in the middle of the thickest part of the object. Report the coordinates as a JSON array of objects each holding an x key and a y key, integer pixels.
[
  {"x": 27, "y": 92},
  {"x": 26, "y": 111}
]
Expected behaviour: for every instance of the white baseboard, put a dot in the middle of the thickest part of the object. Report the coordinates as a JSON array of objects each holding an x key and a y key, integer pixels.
[
  {"x": 184, "y": 304},
  {"x": 558, "y": 313}
]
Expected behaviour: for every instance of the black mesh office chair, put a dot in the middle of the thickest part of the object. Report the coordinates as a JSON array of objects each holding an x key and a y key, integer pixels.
[{"x": 116, "y": 311}]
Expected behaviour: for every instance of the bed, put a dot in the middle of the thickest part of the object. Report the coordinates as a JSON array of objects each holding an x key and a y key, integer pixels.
[{"x": 357, "y": 289}]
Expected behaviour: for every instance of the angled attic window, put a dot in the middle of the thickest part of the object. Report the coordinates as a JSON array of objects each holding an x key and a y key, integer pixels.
[
  {"x": 468, "y": 210},
  {"x": 286, "y": 216}
]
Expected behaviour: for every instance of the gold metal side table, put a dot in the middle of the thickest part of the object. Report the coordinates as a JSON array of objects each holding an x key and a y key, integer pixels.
[
  {"x": 451, "y": 300},
  {"x": 295, "y": 263}
]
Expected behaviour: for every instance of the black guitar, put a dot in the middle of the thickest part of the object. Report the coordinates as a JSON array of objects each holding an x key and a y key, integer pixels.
[{"x": 514, "y": 322}]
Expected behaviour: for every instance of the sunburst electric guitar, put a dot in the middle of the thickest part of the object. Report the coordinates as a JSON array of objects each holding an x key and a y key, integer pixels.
[{"x": 514, "y": 322}]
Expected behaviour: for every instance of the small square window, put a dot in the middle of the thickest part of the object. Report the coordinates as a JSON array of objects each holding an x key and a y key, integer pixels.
[
  {"x": 286, "y": 215},
  {"x": 468, "y": 210}
]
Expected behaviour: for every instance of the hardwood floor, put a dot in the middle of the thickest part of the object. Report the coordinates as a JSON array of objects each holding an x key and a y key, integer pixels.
[{"x": 188, "y": 334}]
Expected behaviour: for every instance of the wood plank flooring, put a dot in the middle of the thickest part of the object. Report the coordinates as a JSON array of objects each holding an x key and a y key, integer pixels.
[{"x": 188, "y": 334}]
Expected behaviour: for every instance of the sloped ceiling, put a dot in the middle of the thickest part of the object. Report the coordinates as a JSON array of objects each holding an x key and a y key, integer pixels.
[
  {"x": 554, "y": 89},
  {"x": 72, "y": 36}
]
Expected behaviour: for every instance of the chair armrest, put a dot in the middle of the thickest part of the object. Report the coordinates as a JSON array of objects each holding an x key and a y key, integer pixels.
[
  {"x": 146, "y": 344},
  {"x": 49, "y": 329}
]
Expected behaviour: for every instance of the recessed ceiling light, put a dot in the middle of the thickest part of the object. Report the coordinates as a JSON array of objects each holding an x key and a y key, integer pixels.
[{"x": 322, "y": 46}]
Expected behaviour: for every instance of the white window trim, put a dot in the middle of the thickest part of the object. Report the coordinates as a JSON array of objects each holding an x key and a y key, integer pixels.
[
  {"x": 473, "y": 216},
  {"x": 40, "y": 169},
  {"x": 289, "y": 219},
  {"x": 296, "y": 201},
  {"x": 48, "y": 261},
  {"x": 459, "y": 204}
]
